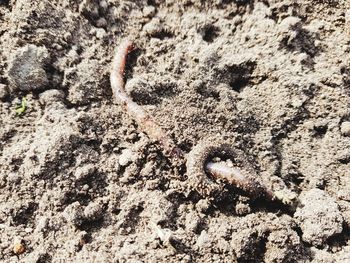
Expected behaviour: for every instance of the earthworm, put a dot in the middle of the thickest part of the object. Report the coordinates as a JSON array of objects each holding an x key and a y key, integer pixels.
[
  {"x": 235, "y": 177},
  {"x": 143, "y": 119},
  {"x": 199, "y": 160},
  {"x": 243, "y": 176}
]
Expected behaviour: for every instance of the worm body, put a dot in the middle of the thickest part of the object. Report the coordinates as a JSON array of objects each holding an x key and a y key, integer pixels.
[
  {"x": 235, "y": 176},
  {"x": 242, "y": 176},
  {"x": 199, "y": 161},
  {"x": 143, "y": 119}
]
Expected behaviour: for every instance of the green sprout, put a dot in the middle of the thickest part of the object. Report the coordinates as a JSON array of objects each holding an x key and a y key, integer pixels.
[{"x": 21, "y": 108}]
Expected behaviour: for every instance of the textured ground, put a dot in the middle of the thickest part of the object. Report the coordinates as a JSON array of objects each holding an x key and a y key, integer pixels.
[{"x": 80, "y": 182}]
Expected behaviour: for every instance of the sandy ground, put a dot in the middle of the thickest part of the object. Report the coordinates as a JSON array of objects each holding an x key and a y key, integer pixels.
[{"x": 81, "y": 182}]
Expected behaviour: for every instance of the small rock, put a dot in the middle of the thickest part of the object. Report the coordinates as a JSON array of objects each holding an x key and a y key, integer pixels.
[
  {"x": 13, "y": 178},
  {"x": 3, "y": 91},
  {"x": 242, "y": 209},
  {"x": 193, "y": 221},
  {"x": 345, "y": 209},
  {"x": 204, "y": 240},
  {"x": 126, "y": 157},
  {"x": 347, "y": 21},
  {"x": 93, "y": 212},
  {"x": 42, "y": 224},
  {"x": 74, "y": 214},
  {"x": 100, "y": 33},
  {"x": 51, "y": 96},
  {"x": 85, "y": 171},
  {"x": 343, "y": 156},
  {"x": 103, "y": 5},
  {"x": 101, "y": 22},
  {"x": 154, "y": 27},
  {"x": 344, "y": 193},
  {"x": 28, "y": 230},
  {"x": 164, "y": 234},
  {"x": 345, "y": 128},
  {"x": 287, "y": 23},
  {"x": 149, "y": 11},
  {"x": 88, "y": 7},
  {"x": 18, "y": 246},
  {"x": 203, "y": 205},
  {"x": 26, "y": 68},
  {"x": 319, "y": 217}
]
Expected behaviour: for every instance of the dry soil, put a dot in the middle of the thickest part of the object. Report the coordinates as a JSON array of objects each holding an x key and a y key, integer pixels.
[{"x": 80, "y": 182}]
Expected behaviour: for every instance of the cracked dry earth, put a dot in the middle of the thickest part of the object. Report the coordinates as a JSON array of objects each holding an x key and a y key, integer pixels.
[{"x": 80, "y": 182}]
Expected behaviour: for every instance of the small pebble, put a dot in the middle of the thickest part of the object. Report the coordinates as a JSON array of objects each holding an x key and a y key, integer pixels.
[
  {"x": 347, "y": 21},
  {"x": 18, "y": 246},
  {"x": 101, "y": 22},
  {"x": 13, "y": 178},
  {"x": 100, "y": 33},
  {"x": 26, "y": 69},
  {"x": 344, "y": 194},
  {"x": 345, "y": 128},
  {"x": 51, "y": 96},
  {"x": 28, "y": 230},
  {"x": 193, "y": 221},
  {"x": 84, "y": 172},
  {"x": 103, "y": 4},
  {"x": 149, "y": 11},
  {"x": 242, "y": 209},
  {"x": 203, "y": 205},
  {"x": 203, "y": 241},
  {"x": 3, "y": 91},
  {"x": 67, "y": 36},
  {"x": 74, "y": 214},
  {"x": 57, "y": 46},
  {"x": 126, "y": 157},
  {"x": 93, "y": 212},
  {"x": 153, "y": 27}
]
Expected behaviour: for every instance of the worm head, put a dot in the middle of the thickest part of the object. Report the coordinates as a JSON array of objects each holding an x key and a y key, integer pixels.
[{"x": 209, "y": 178}]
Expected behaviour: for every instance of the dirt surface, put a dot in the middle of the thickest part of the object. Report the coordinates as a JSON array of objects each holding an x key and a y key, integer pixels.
[{"x": 80, "y": 182}]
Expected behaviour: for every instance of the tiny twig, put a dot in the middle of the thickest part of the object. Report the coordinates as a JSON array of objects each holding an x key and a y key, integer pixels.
[{"x": 197, "y": 163}]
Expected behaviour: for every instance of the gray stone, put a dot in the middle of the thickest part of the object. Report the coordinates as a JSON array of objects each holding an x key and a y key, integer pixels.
[
  {"x": 26, "y": 68},
  {"x": 3, "y": 91},
  {"x": 51, "y": 96},
  {"x": 345, "y": 128},
  {"x": 126, "y": 157},
  {"x": 93, "y": 212}
]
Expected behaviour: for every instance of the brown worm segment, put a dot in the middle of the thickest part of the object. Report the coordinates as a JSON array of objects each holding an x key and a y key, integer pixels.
[
  {"x": 199, "y": 160},
  {"x": 243, "y": 176},
  {"x": 143, "y": 119}
]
